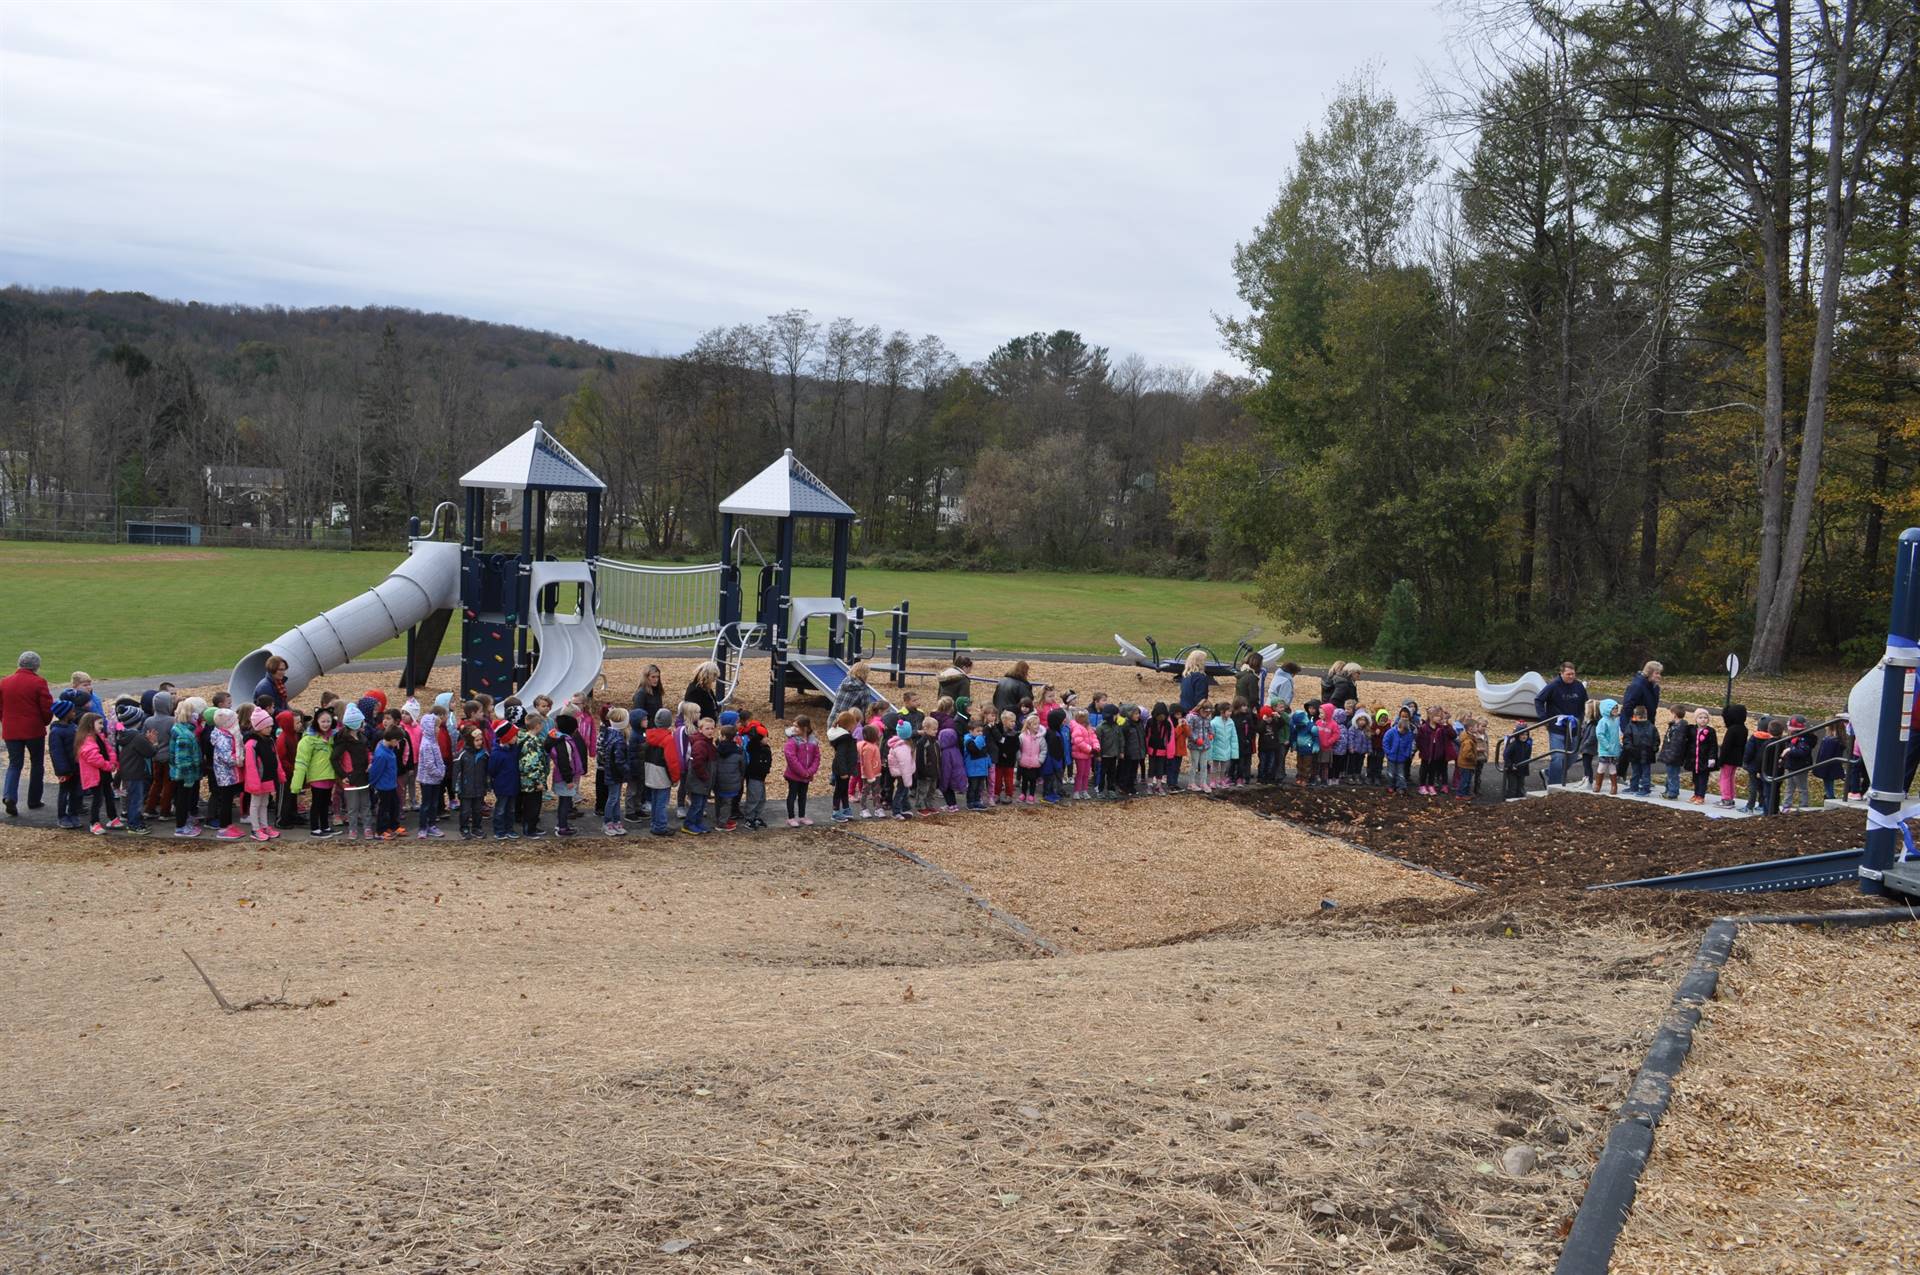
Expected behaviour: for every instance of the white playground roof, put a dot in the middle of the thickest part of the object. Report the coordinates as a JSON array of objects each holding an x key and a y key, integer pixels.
[
  {"x": 786, "y": 488},
  {"x": 535, "y": 459}
]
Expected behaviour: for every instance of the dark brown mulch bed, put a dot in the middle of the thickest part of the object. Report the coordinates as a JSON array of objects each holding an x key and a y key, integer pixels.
[{"x": 1562, "y": 842}]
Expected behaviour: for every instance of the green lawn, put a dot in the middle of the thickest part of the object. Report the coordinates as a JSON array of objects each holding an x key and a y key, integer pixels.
[{"x": 131, "y": 611}]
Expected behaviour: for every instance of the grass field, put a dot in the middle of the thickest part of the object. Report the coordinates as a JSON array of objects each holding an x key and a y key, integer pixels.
[{"x": 130, "y": 611}]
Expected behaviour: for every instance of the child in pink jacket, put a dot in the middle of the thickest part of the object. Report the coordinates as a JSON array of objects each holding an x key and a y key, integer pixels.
[
  {"x": 900, "y": 766},
  {"x": 802, "y": 755},
  {"x": 1085, "y": 745},
  {"x": 97, "y": 761}
]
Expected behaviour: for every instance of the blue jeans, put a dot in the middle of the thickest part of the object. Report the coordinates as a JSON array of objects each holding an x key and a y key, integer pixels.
[
  {"x": 1463, "y": 782},
  {"x": 902, "y": 798},
  {"x": 1557, "y": 741},
  {"x": 662, "y": 802},
  {"x": 1397, "y": 775},
  {"x": 610, "y": 794},
  {"x": 696, "y": 812},
  {"x": 136, "y": 797},
  {"x": 19, "y": 753},
  {"x": 1674, "y": 776},
  {"x": 503, "y": 812},
  {"x": 1640, "y": 778},
  {"x": 1173, "y": 773}
]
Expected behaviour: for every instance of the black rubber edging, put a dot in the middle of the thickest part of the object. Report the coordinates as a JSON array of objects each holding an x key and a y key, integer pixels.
[
  {"x": 1616, "y": 1175},
  {"x": 1395, "y": 859},
  {"x": 972, "y": 895}
]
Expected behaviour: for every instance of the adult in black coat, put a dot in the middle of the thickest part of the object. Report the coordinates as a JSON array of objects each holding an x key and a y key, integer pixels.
[
  {"x": 1644, "y": 689},
  {"x": 1013, "y": 688},
  {"x": 648, "y": 698},
  {"x": 1564, "y": 696},
  {"x": 1339, "y": 686}
]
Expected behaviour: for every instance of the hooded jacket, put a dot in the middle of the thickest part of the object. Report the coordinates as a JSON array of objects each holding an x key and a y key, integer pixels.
[
  {"x": 1057, "y": 742},
  {"x": 1733, "y": 744},
  {"x": 729, "y": 766},
  {"x": 183, "y": 754},
  {"x": 701, "y": 759},
  {"x": 383, "y": 770},
  {"x": 1606, "y": 731},
  {"x": 432, "y": 762},
  {"x": 1033, "y": 749},
  {"x": 900, "y": 758},
  {"x": 313, "y": 760},
  {"x": 351, "y": 758},
  {"x": 802, "y": 757},
  {"x": 1396, "y": 745},
  {"x": 953, "y": 763},
  {"x": 978, "y": 750},
  {"x": 615, "y": 753},
  {"x": 1327, "y": 729},
  {"x": 137, "y": 752},
  {"x": 1439, "y": 744},
  {"x": 1306, "y": 734},
  {"x": 1639, "y": 741},
  {"x": 503, "y": 769},
  {"x": 262, "y": 772},
  {"x": 660, "y": 760},
  {"x": 1226, "y": 740},
  {"x": 97, "y": 759},
  {"x": 1133, "y": 735}
]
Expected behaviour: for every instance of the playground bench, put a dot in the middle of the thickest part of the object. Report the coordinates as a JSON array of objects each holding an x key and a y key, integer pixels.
[{"x": 947, "y": 642}]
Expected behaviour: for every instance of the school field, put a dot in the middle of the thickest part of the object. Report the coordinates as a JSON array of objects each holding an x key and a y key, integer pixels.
[{"x": 133, "y": 611}]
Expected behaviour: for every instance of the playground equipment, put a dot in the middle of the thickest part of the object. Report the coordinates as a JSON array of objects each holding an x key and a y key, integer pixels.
[
  {"x": 535, "y": 626},
  {"x": 1509, "y": 699},
  {"x": 788, "y": 491},
  {"x": 514, "y": 634},
  {"x": 1176, "y": 663},
  {"x": 1881, "y": 707}
]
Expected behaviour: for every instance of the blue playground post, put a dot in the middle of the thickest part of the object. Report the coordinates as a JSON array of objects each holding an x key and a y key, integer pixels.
[{"x": 1889, "y": 778}]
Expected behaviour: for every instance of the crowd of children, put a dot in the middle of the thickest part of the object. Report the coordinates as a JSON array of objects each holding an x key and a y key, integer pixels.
[
  {"x": 1778, "y": 756},
  {"x": 358, "y": 768}
]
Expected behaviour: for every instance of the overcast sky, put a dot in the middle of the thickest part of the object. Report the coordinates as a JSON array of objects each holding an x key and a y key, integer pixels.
[{"x": 634, "y": 175}]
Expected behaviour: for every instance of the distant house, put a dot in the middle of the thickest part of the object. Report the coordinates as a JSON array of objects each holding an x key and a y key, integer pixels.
[{"x": 245, "y": 495}]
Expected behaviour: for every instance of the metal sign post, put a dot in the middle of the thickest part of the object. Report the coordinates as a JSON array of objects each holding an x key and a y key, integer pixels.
[{"x": 1733, "y": 671}]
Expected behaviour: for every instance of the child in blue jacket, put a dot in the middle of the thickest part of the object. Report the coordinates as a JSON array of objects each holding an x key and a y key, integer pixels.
[
  {"x": 1306, "y": 741},
  {"x": 503, "y": 776},
  {"x": 1396, "y": 745},
  {"x": 63, "y": 757},
  {"x": 383, "y": 774},
  {"x": 979, "y": 755}
]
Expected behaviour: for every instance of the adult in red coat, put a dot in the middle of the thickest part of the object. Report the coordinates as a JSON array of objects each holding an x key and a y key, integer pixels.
[{"x": 26, "y": 707}]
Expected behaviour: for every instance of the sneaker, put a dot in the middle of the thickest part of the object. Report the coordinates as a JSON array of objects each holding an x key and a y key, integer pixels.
[
  {"x": 805, "y": 822},
  {"x": 229, "y": 833},
  {"x": 273, "y": 834},
  {"x": 535, "y": 835},
  {"x": 730, "y": 825},
  {"x": 260, "y": 834},
  {"x": 185, "y": 833},
  {"x": 97, "y": 829},
  {"x": 13, "y": 811},
  {"x": 321, "y": 834},
  {"x": 138, "y": 830},
  {"x": 1697, "y": 801},
  {"x": 388, "y": 835},
  {"x": 421, "y": 835},
  {"x": 116, "y": 824},
  {"x": 793, "y": 823}
]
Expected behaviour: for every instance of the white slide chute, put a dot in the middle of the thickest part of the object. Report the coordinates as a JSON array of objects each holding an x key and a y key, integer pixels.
[
  {"x": 427, "y": 582},
  {"x": 570, "y": 652}
]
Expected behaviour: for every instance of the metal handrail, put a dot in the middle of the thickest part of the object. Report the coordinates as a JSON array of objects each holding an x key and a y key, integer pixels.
[
  {"x": 433, "y": 529},
  {"x": 1774, "y": 747}
]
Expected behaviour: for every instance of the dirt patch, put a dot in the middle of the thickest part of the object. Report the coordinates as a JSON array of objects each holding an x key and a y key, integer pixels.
[
  {"x": 1555, "y": 842},
  {"x": 1789, "y": 1143},
  {"x": 740, "y": 1050},
  {"x": 1098, "y": 875}
]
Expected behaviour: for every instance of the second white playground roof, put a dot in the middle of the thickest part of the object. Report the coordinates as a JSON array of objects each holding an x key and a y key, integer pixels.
[
  {"x": 786, "y": 488},
  {"x": 535, "y": 459}
]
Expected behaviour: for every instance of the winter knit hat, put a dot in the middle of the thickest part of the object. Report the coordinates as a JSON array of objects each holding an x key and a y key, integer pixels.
[
  {"x": 369, "y": 707},
  {"x": 566, "y": 722},
  {"x": 663, "y": 718},
  {"x": 514, "y": 715},
  {"x": 130, "y": 716},
  {"x": 411, "y": 709},
  {"x": 1382, "y": 717},
  {"x": 729, "y": 718},
  {"x": 353, "y": 718},
  {"x": 208, "y": 713},
  {"x": 506, "y": 734},
  {"x": 63, "y": 709},
  {"x": 904, "y": 730}
]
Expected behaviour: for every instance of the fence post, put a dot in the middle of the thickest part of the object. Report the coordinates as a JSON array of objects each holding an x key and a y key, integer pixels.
[{"x": 1888, "y": 786}]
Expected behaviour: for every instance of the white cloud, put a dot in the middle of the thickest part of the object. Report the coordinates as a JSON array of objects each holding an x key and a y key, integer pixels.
[{"x": 635, "y": 174}]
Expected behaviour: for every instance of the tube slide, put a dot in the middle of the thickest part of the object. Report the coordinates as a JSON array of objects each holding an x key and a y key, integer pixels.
[
  {"x": 570, "y": 646},
  {"x": 428, "y": 581}
]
